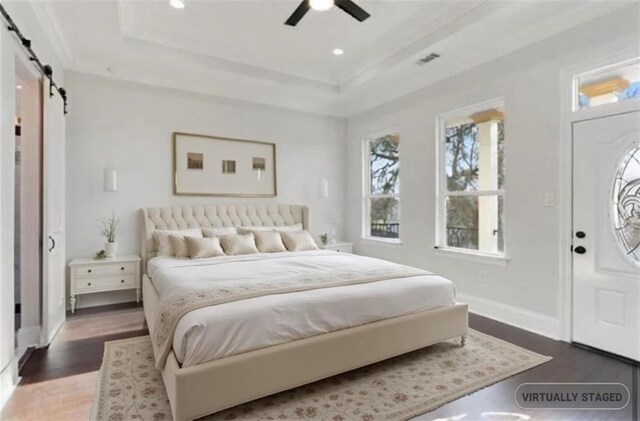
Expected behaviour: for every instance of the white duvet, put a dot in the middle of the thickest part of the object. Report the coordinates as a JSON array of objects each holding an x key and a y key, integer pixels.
[{"x": 232, "y": 328}]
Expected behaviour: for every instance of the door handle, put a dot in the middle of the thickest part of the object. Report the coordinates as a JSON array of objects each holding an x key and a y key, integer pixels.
[
  {"x": 53, "y": 243},
  {"x": 580, "y": 234},
  {"x": 580, "y": 250}
]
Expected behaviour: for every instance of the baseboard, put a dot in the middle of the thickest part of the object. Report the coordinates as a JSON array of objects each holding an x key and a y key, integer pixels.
[
  {"x": 528, "y": 320},
  {"x": 46, "y": 341},
  {"x": 8, "y": 381}
]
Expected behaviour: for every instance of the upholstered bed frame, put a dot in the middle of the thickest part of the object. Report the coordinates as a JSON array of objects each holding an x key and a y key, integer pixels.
[{"x": 200, "y": 390}]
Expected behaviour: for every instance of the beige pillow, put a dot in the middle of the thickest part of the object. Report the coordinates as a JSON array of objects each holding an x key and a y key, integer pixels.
[
  {"x": 281, "y": 228},
  {"x": 238, "y": 244},
  {"x": 179, "y": 246},
  {"x": 269, "y": 241},
  {"x": 164, "y": 243},
  {"x": 200, "y": 248},
  {"x": 298, "y": 241},
  {"x": 217, "y": 232}
]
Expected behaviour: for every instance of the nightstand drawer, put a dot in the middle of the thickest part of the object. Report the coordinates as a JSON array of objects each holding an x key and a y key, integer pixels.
[
  {"x": 346, "y": 249},
  {"x": 108, "y": 282},
  {"x": 339, "y": 247},
  {"x": 105, "y": 269}
]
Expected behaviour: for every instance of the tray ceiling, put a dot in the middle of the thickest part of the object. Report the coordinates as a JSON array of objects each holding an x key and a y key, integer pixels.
[{"x": 241, "y": 49}]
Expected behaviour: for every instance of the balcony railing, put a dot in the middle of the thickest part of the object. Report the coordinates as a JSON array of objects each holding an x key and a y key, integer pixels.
[
  {"x": 456, "y": 236},
  {"x": 389, "y": 230},
  {"x": 462, "y": 237}
]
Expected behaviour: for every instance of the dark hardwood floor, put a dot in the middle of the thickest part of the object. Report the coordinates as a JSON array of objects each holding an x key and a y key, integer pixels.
[
  {"x": 81, "y": 352},
  {"x": 570, "y": 364}
]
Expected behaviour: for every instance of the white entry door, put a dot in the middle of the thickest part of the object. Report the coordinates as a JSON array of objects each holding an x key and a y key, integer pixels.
[
  {"x": 53, "y": 216},
  {"x": 606, "y": 233}
]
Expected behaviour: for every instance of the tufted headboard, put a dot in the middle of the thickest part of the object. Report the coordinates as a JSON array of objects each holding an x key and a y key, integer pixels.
[{"x": 182, "y": 217}]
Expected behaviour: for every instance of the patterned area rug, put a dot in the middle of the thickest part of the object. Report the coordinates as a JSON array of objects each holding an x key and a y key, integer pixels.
[{"x": 392, "y": 390}]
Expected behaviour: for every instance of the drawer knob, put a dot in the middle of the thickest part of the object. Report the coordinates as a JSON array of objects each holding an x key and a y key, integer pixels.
[
  {"x": 122, "y": 268},
  {"x": 89, "y": 284},
  {"x": 89, "y": 270},
  {"x": 122, "y": 281}
]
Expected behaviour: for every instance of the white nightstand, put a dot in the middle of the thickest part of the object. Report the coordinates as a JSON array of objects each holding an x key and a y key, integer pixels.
[
  {"x": 90, "y": 275},
  {"x": 341, "y": 246}
]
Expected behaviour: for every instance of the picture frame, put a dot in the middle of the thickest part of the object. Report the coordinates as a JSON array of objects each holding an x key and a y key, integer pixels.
[{"x": 206, "y": 165}]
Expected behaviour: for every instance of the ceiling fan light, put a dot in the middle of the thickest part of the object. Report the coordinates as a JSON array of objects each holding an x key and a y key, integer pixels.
[
  {"x": 177, "y": 4},
  {"x": 321, "y": 5}
]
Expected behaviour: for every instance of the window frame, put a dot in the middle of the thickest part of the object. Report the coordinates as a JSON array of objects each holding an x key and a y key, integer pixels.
[
  {"x": 604, "y": 68},
  {"x": 442, "y": 192},
  {"x": 366, "y": 188}
]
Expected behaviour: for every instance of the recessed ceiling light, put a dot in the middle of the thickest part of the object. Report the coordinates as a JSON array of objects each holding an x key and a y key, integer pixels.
[
  {"x": 177, "y": 4},
  {"x": 321, "y": 5},
  {"x": 338, "y": 52}
]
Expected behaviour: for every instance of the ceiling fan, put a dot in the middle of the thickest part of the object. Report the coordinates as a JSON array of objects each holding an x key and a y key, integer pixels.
[{"x": 321, "y": 5}]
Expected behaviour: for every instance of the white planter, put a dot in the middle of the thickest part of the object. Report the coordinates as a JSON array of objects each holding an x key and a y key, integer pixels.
[{"x": 111, "y": 249}]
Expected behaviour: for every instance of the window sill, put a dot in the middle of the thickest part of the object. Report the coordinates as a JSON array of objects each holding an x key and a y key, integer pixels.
[
  {"x": 471, "y": 256},
  {"x": 382, "y": 241}
]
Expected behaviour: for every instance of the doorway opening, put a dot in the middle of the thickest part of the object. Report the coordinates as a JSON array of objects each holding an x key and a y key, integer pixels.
[{"x": 28, "y": 208}]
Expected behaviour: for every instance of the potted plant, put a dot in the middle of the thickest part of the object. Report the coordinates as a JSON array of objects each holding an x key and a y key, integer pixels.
[{"x": 109, "y": 231}]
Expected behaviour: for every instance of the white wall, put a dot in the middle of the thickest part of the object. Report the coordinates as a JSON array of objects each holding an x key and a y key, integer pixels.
[
  {"x": 9, "y": 50},
  {"x": 525, "y": 292},
  {"x": 130, "y": 126}
]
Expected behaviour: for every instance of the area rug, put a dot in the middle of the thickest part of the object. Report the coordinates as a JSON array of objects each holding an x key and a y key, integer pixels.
[{"x": 393, "y": 390}]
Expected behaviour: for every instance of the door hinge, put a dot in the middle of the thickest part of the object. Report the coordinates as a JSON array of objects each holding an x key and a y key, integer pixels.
[{"x": 571, "y": 248}]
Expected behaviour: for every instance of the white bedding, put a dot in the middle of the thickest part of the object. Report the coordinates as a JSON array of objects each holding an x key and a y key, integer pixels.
[{"x": 232, "y": 328}]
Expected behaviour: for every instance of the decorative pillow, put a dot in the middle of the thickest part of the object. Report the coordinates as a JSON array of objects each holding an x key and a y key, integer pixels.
[
  {"x": 298, "y": 241},
  {"x": 179, "y": 246},
  {"x": 200, "y": 248},
  {"x": 269, "y": 241},
  {"x": 165, "y": 246},
  {"x": 217, "y": 232},
  {"x": 238, "y": 244},
  {"x": 281, "y": 228}
]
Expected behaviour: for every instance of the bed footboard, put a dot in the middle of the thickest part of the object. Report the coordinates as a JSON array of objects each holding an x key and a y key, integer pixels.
[{"x": 206, "y": 388}]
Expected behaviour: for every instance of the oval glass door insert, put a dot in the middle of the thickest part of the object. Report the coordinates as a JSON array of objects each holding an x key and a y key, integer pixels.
[{"x": 626, "y": 205}]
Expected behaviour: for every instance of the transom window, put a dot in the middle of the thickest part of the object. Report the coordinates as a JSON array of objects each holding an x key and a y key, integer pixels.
[
  {"x": 616, "y": 83},
  {"x": 382, "y": 187},
  {"x": 471, "y": 180}
]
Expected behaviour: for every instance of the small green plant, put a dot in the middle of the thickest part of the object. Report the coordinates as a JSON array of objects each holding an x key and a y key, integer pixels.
[
  {"x": 109, "y": 227},
  {"x": 101, "y": 255},
  {"x": 324, "y": 238}
]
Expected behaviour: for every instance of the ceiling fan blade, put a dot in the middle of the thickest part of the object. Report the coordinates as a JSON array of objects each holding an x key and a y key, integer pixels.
[
  {"x": 297, "y": 14},
  {"x": 353, "y": 9}
]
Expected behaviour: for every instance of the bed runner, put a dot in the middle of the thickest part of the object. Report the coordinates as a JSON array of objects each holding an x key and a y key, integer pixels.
[{"x": 176, "y": 302}]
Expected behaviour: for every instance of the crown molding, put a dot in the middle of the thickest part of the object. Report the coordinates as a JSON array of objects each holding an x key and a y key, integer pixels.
[
  {"x": 446, "y": 24},
  {"x": 127, "y": 33},
  {"x": 51, "y": 27},
  {"x": 372, "y": 97}
]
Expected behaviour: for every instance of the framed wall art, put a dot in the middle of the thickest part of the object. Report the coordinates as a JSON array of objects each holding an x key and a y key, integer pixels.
[{"x": 219, "y": 166}]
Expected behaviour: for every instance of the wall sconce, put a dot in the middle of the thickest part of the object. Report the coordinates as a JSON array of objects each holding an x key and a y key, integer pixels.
[
  {"x": 110, "y": 180},
  {"x": 324, "y": 188}
]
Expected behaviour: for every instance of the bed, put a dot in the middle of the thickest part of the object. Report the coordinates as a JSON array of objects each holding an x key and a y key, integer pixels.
[{"x": 222, "y": 355}]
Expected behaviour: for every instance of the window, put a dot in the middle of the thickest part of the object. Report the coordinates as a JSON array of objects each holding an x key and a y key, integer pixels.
[
  {"x": 471, "y": 180},
  {"x": 382, "y": 187},
  {"x": 617, "y": 83}
]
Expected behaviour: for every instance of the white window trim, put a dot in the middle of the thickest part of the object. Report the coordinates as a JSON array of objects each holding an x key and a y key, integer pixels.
[
  {"x": 500, "y": 258},
  {"x": 366, "y": 191},
  {"x": 473, "y": 255},
  {"x": 597, "y": 70}
]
